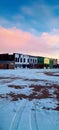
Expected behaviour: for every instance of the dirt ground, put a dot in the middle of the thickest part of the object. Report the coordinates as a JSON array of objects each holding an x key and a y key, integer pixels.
[
  {"x": 38, "y": 92},
  {"x": 51, "y": 73}
]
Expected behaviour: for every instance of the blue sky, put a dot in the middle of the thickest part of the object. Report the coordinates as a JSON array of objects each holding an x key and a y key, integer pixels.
[
  {"x": 23, "y": 19},
  {"x": 36, "y": 15}
]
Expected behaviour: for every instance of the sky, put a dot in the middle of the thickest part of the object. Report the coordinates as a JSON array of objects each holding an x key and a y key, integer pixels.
[{"x": 30, "y": 27}]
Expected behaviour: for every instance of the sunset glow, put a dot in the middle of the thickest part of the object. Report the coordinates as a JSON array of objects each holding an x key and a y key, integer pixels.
[{"x": 24, "y": 30}]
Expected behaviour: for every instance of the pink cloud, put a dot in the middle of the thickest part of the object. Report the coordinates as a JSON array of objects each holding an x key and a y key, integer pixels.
[
  {"x": 50, "y": 39},
  {"x": 14, "y": 40}
]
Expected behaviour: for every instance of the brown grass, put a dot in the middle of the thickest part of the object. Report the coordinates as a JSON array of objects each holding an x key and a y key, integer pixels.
[{"x": 38, "y": 92}]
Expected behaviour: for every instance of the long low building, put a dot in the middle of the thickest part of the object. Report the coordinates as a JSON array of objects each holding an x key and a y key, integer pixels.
[{"x": 16, "y": 60}]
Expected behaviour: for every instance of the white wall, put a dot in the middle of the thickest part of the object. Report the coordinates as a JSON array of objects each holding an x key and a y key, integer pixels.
[
  {"x": 22, "y": 56},
  {"x": 33, "y": 58}
]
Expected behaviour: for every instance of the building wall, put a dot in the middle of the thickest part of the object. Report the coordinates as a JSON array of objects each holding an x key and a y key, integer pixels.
[
  {"x": 55, "y": 63},
  {"x": 58, "y": 63},
  {"x": 6, "y": 65},
  {"x": 6, "y": 57},
  {"x": 11, "y": 66},
  {"x": 40, "y": 62},
  {"x": 21, "y": 60},
  {"x": 15, "y": 60},
  {"x": 25, "y": 61},
  {"x": 33, "y": 60},
  {"x": 3, "y": 66},
  {"x": 46, "y": 61},
  {"x": 7, "y": 61},
  {"x": 51, "y": 63}
]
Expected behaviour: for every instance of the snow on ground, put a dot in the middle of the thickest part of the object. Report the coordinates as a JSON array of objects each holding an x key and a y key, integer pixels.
[{"x": 29, "y": 99}]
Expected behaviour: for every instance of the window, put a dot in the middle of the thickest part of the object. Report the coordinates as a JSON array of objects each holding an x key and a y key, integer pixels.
[
  {"x": 21, "y": 60},
  {"x": 28, "y": 60},
  {"x": 24, "y": 59},
  {"x": 33, "y": 60},
  {"x": 18, "y": 59}
]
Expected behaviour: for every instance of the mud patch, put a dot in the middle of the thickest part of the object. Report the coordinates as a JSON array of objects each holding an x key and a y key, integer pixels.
[
  {"x": 15, "y": 97},
  {"x": 56, "y": 109},
  {"x": 51, "y": 73},
  {"x": 10, "y": 79},
  {"x": 16, "y": 86},
  {"x": 37, "y": 92}
]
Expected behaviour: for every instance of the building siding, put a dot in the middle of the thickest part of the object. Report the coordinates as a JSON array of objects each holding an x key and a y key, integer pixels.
[
  {"x": 16, "y": 60},
  {"x": 21, "y": 60},
  {"x": 46, "y": 61}
]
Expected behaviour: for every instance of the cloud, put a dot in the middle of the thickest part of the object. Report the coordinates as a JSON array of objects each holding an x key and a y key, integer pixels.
[
  {"x": 44, "y": 15},
  {"x": 14, "y": 40},
  {"x": 3, "y": 21},
  {"x": 37, "y": 16},
  {"x": 26, "y": 10},
  {"x": 37, "y": 9},
  {"x": 18, "y": 17},
  {"x": 50, "y": 39}
]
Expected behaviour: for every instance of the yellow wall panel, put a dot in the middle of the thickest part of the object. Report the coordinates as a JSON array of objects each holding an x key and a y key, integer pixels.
[{"x": 46, "y": 60}]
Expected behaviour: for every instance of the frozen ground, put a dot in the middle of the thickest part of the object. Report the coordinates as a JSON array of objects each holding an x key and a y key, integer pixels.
[{"x": 29, "y": 99}]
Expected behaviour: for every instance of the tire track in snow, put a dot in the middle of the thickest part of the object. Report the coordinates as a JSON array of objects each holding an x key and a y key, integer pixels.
[
  {"x": 17, "y": 117},
  {"x": 32, "y": 125},
  {"x": 24, "y": 121},
  {"x": 31, "y": 118},
  {"x": 34, "y": 117}
]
